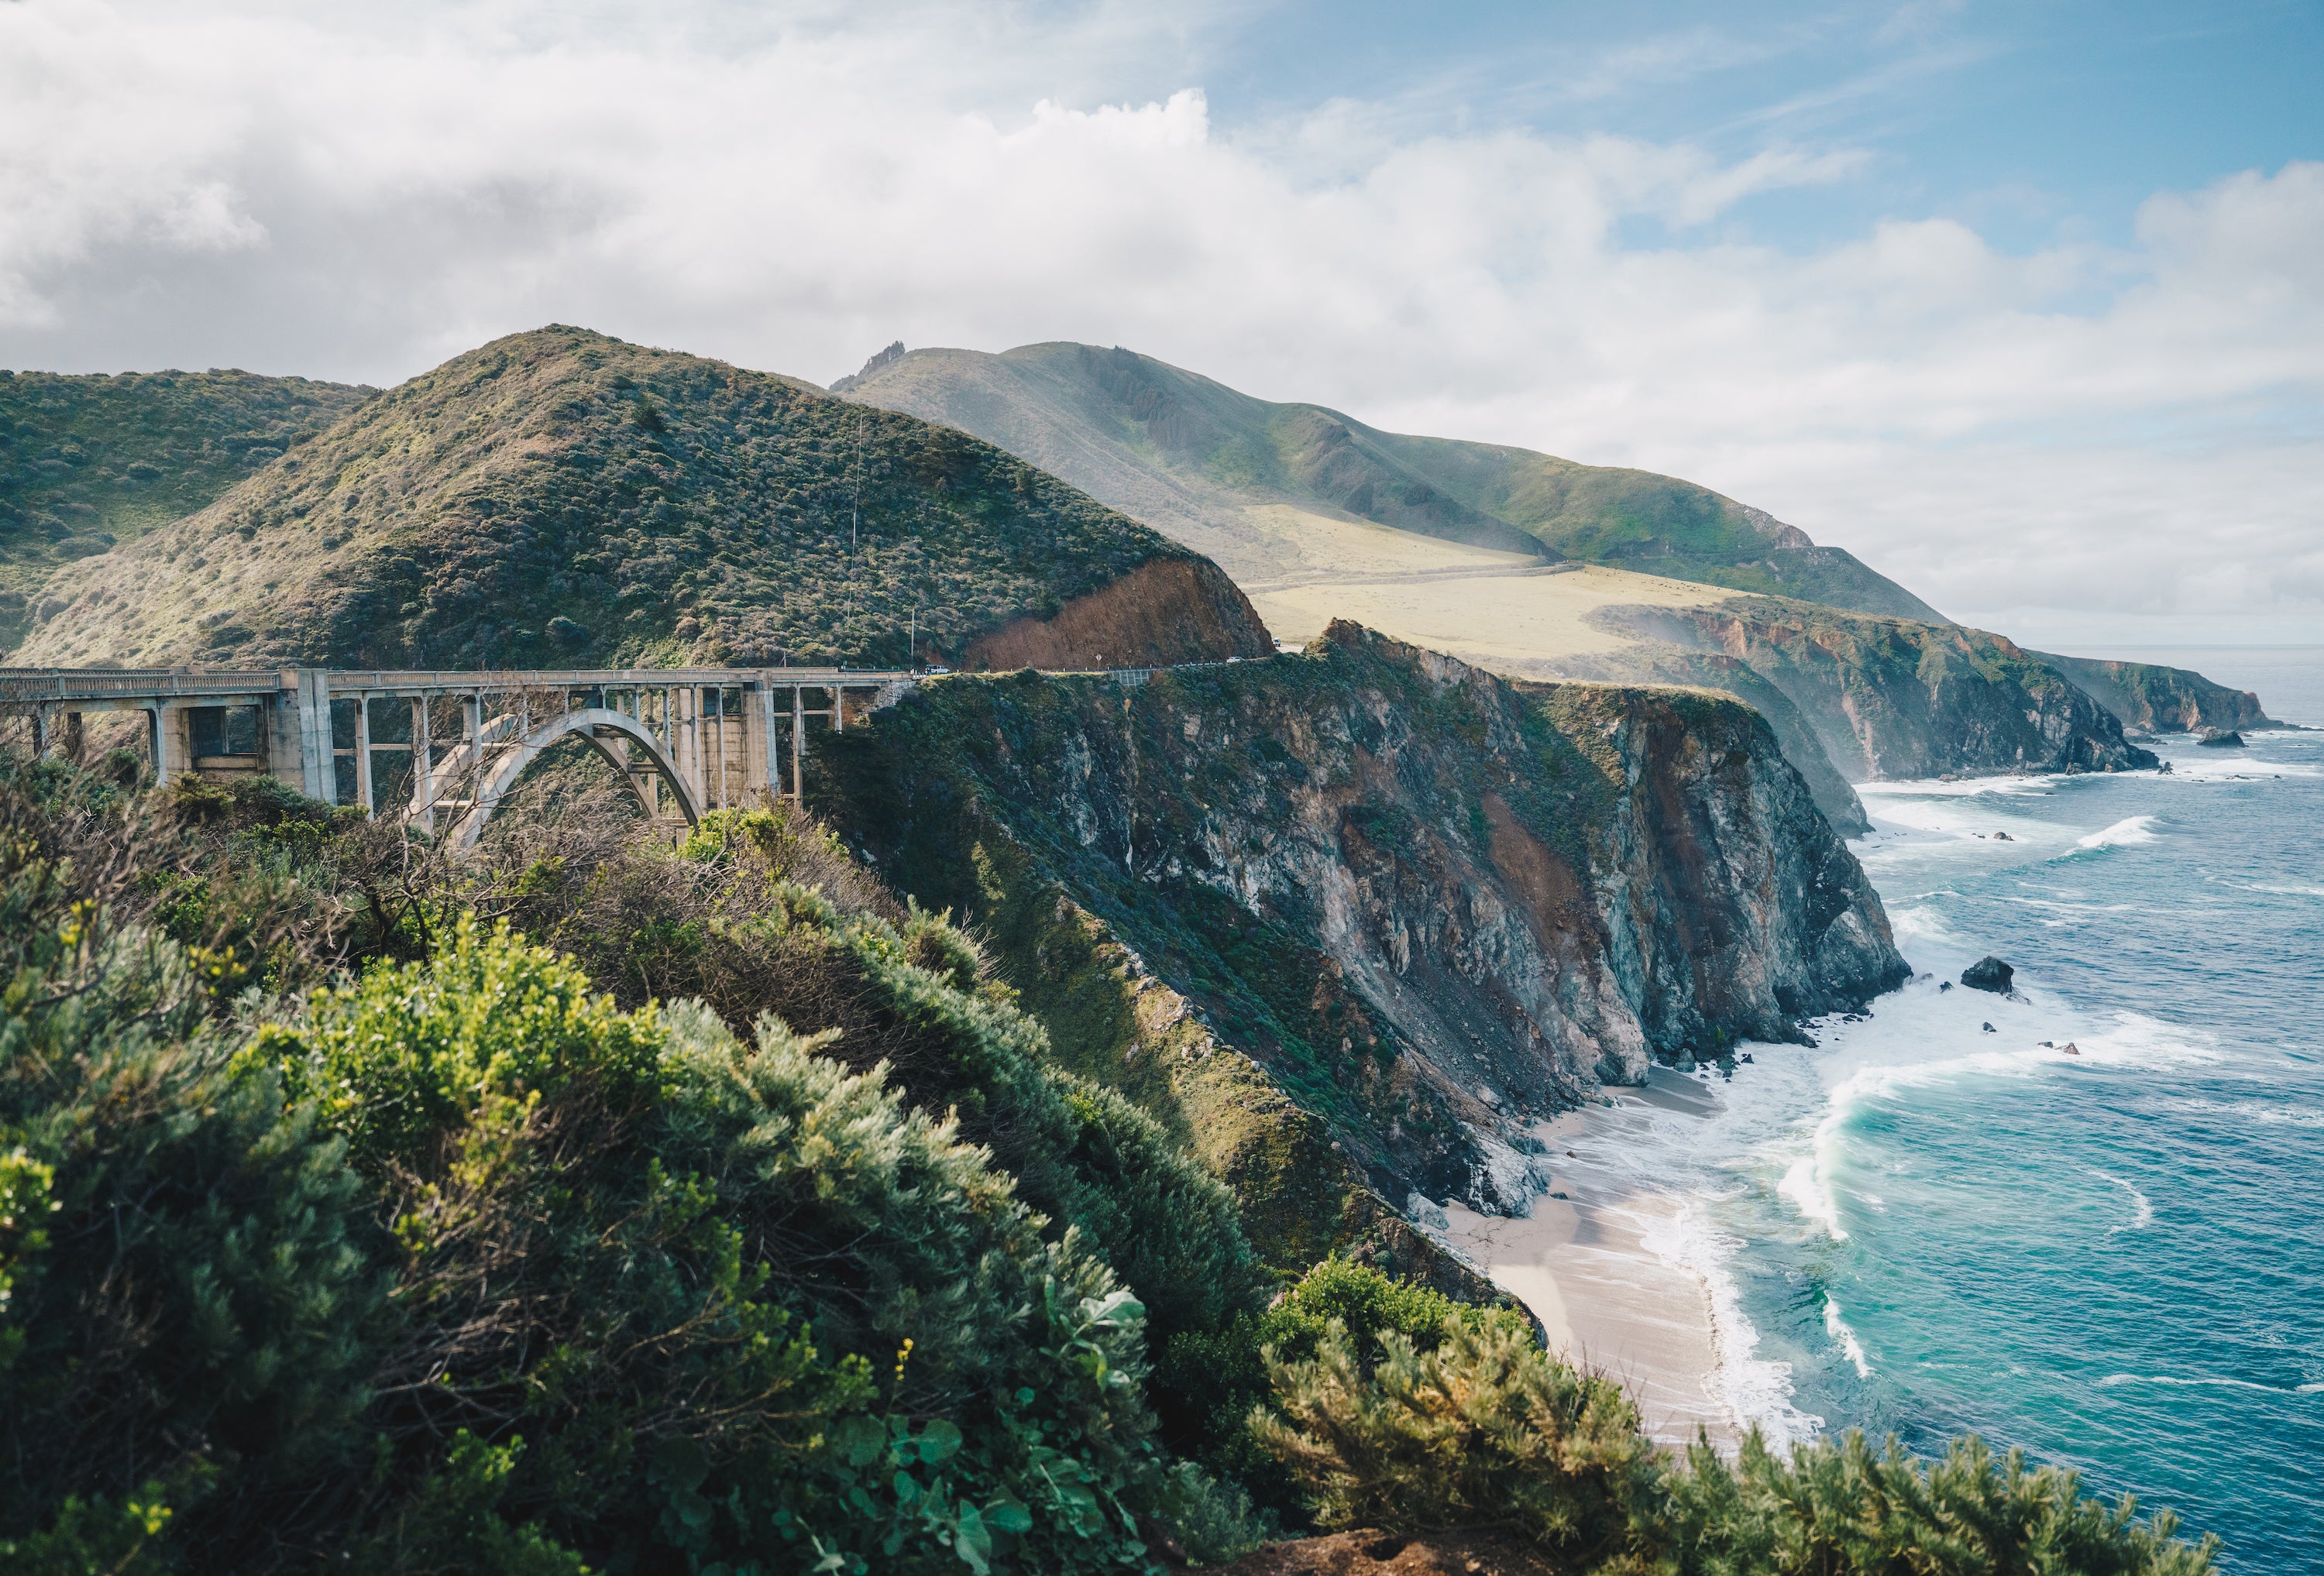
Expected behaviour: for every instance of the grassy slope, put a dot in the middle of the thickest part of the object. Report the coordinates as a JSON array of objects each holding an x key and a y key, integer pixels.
[
  {"x": 1179, "y": 450},
  {"x": 88, "y": 462},
  {"x": 559, "y": 497}
]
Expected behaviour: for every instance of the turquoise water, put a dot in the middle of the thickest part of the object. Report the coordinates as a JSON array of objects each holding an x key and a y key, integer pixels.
[{"x": 2116, "y": 1258}]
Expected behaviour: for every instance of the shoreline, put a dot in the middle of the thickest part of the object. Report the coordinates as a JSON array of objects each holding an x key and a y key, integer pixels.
[{"x": 1587, "y": 1268}]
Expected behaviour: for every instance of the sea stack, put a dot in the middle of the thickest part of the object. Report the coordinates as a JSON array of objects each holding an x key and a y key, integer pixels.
[
  {"x": 2220, "y": 739},
  {"x": 1988, "y": 974}
]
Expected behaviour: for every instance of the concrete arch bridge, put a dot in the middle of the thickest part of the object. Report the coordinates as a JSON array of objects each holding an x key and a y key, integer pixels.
[{"x": 444, "y": 750}]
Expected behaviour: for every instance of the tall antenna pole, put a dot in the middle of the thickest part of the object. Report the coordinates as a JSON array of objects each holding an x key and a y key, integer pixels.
[{"x": 856, "y": 511}]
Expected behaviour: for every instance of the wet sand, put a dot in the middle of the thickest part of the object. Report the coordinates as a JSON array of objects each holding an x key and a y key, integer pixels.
[{"x": 1583, "y": 1266}]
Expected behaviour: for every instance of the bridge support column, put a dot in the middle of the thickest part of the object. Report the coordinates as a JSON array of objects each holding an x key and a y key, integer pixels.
[
  {"x": 798, "y": 746},
  {"x": 423, "y": 769},
  {"x": 363, "y": 754},
  {"x": 157, "y": 742},
  {"x": 765, "y": 773},
  {"x": 319, "y": 767}
]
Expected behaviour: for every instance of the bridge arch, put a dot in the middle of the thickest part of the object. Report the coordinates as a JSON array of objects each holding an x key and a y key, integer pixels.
[{"x": 612, "y": 734}]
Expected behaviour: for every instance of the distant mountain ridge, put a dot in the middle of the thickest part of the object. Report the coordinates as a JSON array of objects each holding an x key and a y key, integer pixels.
[
  {"x": 560, "y": 498},
  {"x": 1197, "y": 459}
]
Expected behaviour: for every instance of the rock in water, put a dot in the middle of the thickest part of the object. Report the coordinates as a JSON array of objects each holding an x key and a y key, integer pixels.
[
  {"x": 2221, "y": 739},
  {"x": 1988, "y": 974},
  {"x": 1991, "y": 1029}
]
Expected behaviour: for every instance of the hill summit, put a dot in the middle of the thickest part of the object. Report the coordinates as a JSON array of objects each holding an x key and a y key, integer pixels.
[{"x": 560, "y": 498}]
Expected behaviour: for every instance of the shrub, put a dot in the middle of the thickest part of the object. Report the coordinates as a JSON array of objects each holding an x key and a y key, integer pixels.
[
  {"x": 479, "y": 1036},
  {"x": 1840, "y": 1508},
  {"x": 1487, "y": 1430},
  {"x": 678, "y": 1293},
  {"x": 1484, "y": 1428},
  {"x": 1210, "y": 1381},
  {"x": 190, "y": 1308},
  {"x": 760, "y": 911}
]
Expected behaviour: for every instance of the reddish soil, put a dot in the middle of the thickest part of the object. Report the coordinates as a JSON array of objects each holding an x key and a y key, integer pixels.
[{"x": 1165, "y": 611}]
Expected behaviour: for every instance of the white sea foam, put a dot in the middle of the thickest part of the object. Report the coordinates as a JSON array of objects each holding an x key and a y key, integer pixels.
[
  {"x": 2127, "y": 832},
  {"x": 2205, "y": 1381},
  {"x": 1803, "y": 1184},
  {"x": 2263, "y": 1113},
  {"x": 1755, "y": 1389},
  {"x": 1961, "y": 787},
  {"x": 1850, "y": 1347},
  {"x": 2283, "y": 891},
  {"x": 2141, "y": 1209}
]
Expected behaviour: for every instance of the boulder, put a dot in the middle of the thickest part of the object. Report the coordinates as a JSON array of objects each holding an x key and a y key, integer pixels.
[
  {"x": 2220, "y": 739},
  {"x": 1988, "y": 974}
]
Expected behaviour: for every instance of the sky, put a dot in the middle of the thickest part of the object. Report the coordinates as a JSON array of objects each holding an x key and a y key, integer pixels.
[{"x": 2022, "y": 304}]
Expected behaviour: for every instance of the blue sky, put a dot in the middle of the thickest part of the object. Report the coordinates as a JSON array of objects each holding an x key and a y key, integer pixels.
[
  {"x": 2022, "y": 304},
  {"x": 2029, "y": 121}
]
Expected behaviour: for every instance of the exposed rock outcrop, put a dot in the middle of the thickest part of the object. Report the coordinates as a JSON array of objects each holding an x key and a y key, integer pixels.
[
  {"x": 1429, "y": 903},
  {"x": 2220, "y": 739},
  {"x": 1988, "y": 974},
  {"x": 1889, "y": 699}
]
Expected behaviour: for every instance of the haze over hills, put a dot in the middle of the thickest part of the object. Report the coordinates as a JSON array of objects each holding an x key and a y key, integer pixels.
[
  {"x": 1255, "y": 485},
  {"x": 90, "y": 462},
  {"x": 558, "y": 498},
  {"x": 1543, "y": 568}
]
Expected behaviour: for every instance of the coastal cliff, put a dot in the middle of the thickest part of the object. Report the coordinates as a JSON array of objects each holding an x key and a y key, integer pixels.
[
  {"x": 2170, "y": 700},
  {"x": 1408, "y": 905},
  {"x": 1891, "y": 698}
]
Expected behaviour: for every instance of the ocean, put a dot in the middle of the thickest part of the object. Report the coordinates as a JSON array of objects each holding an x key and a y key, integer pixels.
[{"x": 2114, "y": 1256}]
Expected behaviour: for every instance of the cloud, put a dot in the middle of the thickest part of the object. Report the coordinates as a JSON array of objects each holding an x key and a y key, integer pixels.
[{"x": 361, "y": 195}]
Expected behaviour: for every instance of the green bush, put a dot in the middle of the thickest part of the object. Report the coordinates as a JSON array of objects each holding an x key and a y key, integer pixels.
[
  {"x": 190, "y": 1306},
  {"x": 1487, "y": 1430},
  {"x": 728, "y": 919},
  {"x": 476, "y": 1039},
  {"x": 1840, "y": 1508},
  {"x": 1210, "y": 1381},
  {"x": 736, "y": 1302},
  {"x": 1484, "y": 1428}
]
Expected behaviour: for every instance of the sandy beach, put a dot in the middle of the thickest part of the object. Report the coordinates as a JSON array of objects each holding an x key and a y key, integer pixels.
[{"x": 1587, "y": 1267}]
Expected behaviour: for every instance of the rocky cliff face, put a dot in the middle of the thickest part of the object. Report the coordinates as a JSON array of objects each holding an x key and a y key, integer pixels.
[
  {"x": 1426, "y": 904},
  {"x": 2173, "y": 700},
  {"x": 1889, "y": 699}
]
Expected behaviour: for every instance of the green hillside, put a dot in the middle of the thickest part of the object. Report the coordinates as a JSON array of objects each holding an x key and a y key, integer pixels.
[
  {"x": 86, "y": 462},
  {"x": 560, "y": 498},
  {"x": 1193, "y": 458}
]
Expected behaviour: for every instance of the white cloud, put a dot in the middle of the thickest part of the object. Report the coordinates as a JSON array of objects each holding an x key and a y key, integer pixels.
[{"x": 361, "y": 196}]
